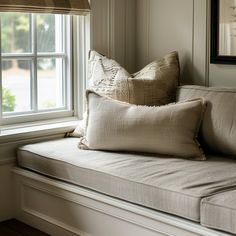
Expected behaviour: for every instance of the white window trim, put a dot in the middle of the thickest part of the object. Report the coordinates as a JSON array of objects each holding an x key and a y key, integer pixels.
[
  {"x": 78, "y": 72},
  {"x": 82, "y": 45}
]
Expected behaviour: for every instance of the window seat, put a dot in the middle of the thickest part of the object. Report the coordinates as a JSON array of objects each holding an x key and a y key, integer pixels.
[{"x": 170, "y": 185}]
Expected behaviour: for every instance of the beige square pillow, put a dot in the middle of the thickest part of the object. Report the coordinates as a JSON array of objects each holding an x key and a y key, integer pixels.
[
  {"x": 154, "y": 85},
  {"x": 117, "y": 126}
]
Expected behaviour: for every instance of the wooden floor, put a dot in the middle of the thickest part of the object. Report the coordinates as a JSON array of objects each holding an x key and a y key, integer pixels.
[{"x": 16, "y": 228}]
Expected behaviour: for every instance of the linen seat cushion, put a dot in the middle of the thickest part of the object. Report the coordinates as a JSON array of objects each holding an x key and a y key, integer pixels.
[
  {"x": 170, "y": 185},
  {"x": 218, "y": 131},
  {"x": 219, "y": 211}
]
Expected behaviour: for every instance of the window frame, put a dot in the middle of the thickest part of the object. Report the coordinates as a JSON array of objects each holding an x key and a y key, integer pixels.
[{"x": 68, "y": 110}]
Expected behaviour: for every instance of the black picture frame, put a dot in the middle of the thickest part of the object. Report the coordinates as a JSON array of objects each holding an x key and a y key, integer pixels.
[{"x": 215, "y": 57}]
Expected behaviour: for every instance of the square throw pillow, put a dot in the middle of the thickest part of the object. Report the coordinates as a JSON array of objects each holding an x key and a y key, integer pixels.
[
  {"x": 168, "y": 130},
  {"x": 154, "y": 85}
]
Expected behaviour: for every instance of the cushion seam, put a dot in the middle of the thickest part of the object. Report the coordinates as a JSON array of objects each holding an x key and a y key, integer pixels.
[
  {"x": 205, "y": 202},
  {"x": 216, "y": 227},
  {"x": 207, "y": 89}
]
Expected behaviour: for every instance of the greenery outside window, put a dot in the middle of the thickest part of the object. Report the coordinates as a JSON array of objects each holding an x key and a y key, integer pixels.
[{"x": 35, "y": 75}]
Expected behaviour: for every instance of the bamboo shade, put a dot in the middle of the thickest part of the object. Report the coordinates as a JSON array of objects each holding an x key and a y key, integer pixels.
[{"x": 73, "y": 7}]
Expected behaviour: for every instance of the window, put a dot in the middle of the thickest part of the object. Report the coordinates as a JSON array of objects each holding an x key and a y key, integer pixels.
[{"x": 35, "y": 79}]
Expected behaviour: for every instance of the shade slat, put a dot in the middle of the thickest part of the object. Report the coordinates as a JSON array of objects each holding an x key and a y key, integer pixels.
[{"x": 73, "y": 7}]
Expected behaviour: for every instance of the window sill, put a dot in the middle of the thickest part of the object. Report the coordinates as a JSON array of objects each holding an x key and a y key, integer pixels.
[{"x": 37, "y": 129}]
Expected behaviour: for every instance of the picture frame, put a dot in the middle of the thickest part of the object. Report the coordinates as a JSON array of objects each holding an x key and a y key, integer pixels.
[{"x": 223, "y": 32}]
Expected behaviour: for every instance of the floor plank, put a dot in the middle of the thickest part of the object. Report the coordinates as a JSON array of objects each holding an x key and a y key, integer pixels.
[{"x": 16, "y": 228}]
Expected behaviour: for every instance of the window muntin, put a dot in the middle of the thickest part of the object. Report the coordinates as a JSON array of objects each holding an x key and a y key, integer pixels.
[{"x": 35, "y": 70}]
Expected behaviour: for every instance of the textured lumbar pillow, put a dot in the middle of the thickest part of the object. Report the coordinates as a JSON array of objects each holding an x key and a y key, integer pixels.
[
  {"x": 117, "y": 126},
  {"x": 154, "y": 85}
]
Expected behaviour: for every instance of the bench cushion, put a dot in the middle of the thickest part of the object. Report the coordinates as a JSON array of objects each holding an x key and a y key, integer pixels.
[
  {"x": 171, "y": 185},
  {"x": 219, "y": 211},
  {"x": 218, "y": 132}
]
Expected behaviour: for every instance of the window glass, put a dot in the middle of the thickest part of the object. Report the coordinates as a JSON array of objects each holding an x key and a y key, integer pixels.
[
  {"x": 49, "y": 36},
  {"x": 15, "y": 32},
  {"x": 50, "y": 83},
  {"x": 16, "y": 85},
  {"x": 34, "y": 64}
]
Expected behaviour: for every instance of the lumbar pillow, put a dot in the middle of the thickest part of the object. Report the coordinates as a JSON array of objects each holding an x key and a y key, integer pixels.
[
  {"x": 154, "y": 85},
  {"x": 117, "y": 126}
]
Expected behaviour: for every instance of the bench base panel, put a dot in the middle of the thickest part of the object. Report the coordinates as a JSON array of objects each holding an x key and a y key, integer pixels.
[{"x": 63, "y": 209}]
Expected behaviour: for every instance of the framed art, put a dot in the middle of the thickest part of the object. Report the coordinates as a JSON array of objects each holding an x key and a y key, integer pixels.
[{"x": 223, "y": 31}]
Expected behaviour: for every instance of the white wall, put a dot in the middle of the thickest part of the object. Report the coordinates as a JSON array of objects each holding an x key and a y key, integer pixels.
[
  {"x": 222, "y": 75},
  {"x": 165, "y": 26},
  {"x": 113, "y": 30},
  {"x": 182, "y": 25}
]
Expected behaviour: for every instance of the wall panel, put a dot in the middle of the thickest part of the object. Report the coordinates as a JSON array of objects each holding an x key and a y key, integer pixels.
[
  {"x": 183, "y": 25},
  {"x": 222, "y": 75},
  {"x": 113, "y": 30},
  {"x": 200, "y": 43},
  {"x": 165, "y": 26}
]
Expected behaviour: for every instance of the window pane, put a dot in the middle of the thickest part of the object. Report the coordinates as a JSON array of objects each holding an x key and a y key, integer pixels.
[
  {"x": 50, "y": 84},
  {"x": 49, "y": 28},
  {"x": 15, "y": 37},
  {"x": 16, "y": 84}
]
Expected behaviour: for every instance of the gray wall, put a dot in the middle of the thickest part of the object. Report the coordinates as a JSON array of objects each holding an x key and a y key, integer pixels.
[
  {"x": 164, "y": 26},
  {"x": 135, "y": 32},
  {"x": 113, "y": 24},
  {"x": 182, "y": 25}
]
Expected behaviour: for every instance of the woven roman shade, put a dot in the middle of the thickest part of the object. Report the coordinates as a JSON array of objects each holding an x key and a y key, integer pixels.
[{"x": 73, "y": 7}]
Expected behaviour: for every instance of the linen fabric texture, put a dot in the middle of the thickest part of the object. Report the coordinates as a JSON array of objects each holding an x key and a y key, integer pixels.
[
  {"x": 154, "y": 85},
  {"x": 117, "y": 126},
  {"x": 218, "y": 130},
  {"x": 74, "y": 7},
  {"x": 219, "y": 211},
  {"x": 173, "y": 185}
]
